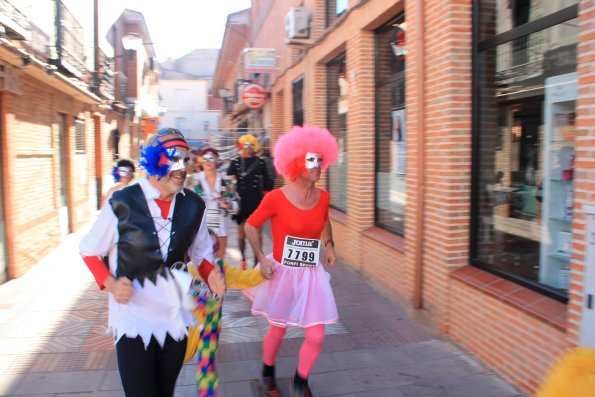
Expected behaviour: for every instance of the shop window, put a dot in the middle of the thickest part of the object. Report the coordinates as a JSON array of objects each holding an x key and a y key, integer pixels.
[
  {"x": 391, "y": 137},
  {"x": 334, "y": 9},
  {"x": 298, "y": 101},
  {"x": 501, "y": 16},
  {"x": 337, "y": 88},
  {"x": 524, "y": 143}
]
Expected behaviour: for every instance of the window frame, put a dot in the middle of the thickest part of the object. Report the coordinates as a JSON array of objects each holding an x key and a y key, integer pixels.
[
  {"x": 80, "y": 138},
  {"x": 478, "y": 48},
  {"x": 331, "y": 5},
  {"x": 401, "y": 75},
  {"x": 298, "y": 111},
  {"x": 330, "y": 108}
]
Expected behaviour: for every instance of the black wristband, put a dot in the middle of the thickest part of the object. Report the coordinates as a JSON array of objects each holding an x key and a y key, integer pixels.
[{"x": 329, "y": 241}]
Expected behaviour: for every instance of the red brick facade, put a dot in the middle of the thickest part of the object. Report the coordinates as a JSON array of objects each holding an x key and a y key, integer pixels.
[
  {"x": 514, "y": 330},
  {"x": 31, "y": 170}
]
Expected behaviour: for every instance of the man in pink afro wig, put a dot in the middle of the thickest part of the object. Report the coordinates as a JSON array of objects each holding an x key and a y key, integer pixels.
[
  {"x": 296, "y": 291},
  {"x": 290, "y": 150}
]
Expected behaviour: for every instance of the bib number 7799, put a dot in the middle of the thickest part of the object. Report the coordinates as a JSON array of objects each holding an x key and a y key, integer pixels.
[
  {"x": 301, "y": 252},
  {"x": 300, "y": 255}
]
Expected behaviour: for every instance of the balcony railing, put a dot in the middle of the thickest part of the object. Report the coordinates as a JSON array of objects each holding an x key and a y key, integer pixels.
[
  {"x": 106, "y": 77},
  {"x": 40, "y": 42},
  {"x": 120, "y": 87},
  {"x": 15, "y": 22},
  {"x": 70, "y": 45}
]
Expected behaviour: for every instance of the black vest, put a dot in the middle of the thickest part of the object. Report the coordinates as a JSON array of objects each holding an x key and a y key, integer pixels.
[{"x": 139, "y": 256}]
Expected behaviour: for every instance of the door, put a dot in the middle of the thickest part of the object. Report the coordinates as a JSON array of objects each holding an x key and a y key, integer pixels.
[
  {"x": 588, "y": 316},
  {"x": 63, "y": 158}
]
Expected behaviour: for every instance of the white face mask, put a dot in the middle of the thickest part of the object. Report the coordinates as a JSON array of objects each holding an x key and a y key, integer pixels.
[
  {"x": 125, "y": 171},
  {"x": 179, "y": 161},
  {"x": 313, "y": 160},
  {"x": 209, "y": 158}
]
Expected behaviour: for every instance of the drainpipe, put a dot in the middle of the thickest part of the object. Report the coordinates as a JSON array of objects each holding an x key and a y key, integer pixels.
[
  {"x": 420, "y": 163},
  {"x": 96, "y": 47}
]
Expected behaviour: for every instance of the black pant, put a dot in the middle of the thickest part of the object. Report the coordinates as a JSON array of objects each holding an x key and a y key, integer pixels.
[{"x": 150, "y": 372}]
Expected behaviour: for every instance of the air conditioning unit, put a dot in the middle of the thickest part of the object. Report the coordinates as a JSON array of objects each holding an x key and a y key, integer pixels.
[{"x": 297, "y": 23}]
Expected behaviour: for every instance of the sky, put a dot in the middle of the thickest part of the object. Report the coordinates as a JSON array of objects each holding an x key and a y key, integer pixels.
[{"x": 176, "y": 26}]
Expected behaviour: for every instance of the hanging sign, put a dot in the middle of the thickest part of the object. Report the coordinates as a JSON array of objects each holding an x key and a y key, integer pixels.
[{"x": 253, "y": 96}]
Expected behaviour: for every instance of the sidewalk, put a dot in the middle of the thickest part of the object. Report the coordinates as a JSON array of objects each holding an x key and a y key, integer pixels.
[{"x": 53, "y": 343}]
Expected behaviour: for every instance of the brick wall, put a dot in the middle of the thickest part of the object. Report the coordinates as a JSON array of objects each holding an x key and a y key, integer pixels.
[
  {"x": 32, "y": 173},
  {"x": 584, "y": 190},
  {"x": 518, "y": 345},
  {"x": 33, "y": 170},
  {"x": 447, "y": 137},
  {"x": 515, "y": 343}
]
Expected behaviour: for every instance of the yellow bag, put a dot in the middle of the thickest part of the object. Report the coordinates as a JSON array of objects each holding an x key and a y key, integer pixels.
[
  {"x": 192, "y": 346},
  {"x": 573, "y": 375}
]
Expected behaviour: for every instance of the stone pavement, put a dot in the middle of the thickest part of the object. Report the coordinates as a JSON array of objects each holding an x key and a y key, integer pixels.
[{"x": 53, "y": 343}]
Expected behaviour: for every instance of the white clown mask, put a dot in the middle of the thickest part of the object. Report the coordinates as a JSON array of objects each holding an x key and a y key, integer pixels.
[
  {"x": 313, "y": 160},
  {"x": 209, "y": 158},
  {"x": 125, "y": 171}
]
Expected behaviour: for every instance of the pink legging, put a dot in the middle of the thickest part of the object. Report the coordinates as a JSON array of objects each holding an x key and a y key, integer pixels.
[{"x": 309, "y": 351}]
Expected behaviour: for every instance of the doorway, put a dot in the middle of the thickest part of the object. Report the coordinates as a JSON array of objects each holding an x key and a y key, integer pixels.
[
  {"x": 588, "y": 314},
  {"x": 3, "y": 256},
  {"x": 63, "y": 209}
]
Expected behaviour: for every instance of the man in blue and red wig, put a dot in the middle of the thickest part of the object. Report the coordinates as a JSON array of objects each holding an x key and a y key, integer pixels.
[{"x": 145, "y": 230}]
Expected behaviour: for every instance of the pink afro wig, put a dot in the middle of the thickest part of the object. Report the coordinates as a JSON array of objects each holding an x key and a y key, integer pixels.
[{"x": 291, "y": 148}]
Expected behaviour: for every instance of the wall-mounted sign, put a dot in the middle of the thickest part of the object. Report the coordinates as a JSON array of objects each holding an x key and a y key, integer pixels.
[
  {"x": 149, "y": 124},
  {"x": 259, "y": 60},
  {"x": 253, "y": 96}
]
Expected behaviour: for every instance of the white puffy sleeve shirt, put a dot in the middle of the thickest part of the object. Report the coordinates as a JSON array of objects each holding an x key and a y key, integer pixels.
[{"x": 154, "y": 309}]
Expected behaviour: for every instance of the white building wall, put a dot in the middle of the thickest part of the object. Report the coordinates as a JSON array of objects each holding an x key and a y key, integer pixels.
[{"x": 187, "y": 108}]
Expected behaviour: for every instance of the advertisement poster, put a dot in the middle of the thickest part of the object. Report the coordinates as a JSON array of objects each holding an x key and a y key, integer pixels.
[{"x": 398, "y": 142}]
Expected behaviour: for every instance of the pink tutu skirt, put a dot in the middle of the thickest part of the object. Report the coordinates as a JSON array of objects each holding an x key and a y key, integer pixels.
[{"x": 297, "y": 296}]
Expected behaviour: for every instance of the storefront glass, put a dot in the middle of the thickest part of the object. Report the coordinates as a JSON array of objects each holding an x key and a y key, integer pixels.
[
  {"x": 499, "y": 16},
  {"x": 525, "y": 157},
  {"x": 337, "y": 124},
  {"x": 391, "y": 136},
  {"x": 298, "y": 101}
]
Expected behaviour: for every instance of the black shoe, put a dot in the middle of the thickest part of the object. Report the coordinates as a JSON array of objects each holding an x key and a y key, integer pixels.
[
  {"x": 299, "y": 387},
  {"x": 268, "y": 383}
]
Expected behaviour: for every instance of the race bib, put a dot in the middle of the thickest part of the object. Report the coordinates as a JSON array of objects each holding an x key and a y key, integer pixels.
[
  {"x": 214, "y": 219},
  {"x": 301, "y": 252}
]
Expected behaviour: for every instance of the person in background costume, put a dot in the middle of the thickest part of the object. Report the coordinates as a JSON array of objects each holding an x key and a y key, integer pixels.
[
  {"x": 146, "y": 229},
  {"x": 123, "y": 174},
  {"x": 250, "y": 173},
  {"x": 268, "y": 160},
  {"x": 219, "y": 196},
  {"x": 204, "y": 337},
  {"x": 296, "y": 291}
]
